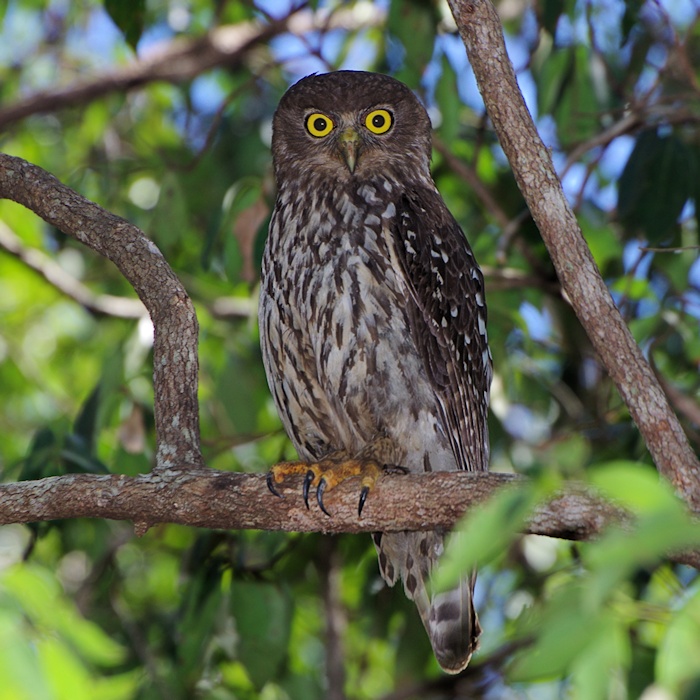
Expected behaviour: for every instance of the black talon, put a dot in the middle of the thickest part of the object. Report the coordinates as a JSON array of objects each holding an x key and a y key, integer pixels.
[
  {"x": 271, "y": 485},
  {"x": 363, "y": 498},
  {"x": 319, "y": 496},
  {"x": 308, "y": 479}
]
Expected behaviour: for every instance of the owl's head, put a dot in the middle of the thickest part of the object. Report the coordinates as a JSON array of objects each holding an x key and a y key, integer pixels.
[{"x": 351, "y": 124}]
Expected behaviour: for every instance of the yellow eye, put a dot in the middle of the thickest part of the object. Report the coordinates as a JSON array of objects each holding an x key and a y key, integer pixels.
[
  {"x": 379, "y": 121},
  {"x": 319, "y": 125}
]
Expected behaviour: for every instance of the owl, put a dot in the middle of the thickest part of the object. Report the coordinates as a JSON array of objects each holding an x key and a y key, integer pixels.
[{"x": 373, "y": 318}]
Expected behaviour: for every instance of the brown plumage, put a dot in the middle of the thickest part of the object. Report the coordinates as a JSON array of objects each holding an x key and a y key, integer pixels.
[{"x": 372, "y": 312}]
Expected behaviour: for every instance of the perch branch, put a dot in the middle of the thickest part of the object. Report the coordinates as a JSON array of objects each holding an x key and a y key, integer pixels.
[
  {"x": 481, "y": 31},
  {"x": 175, "y": 359},
  {"x": 226, "y": 500},
  {"x": 201, "y": 497}
]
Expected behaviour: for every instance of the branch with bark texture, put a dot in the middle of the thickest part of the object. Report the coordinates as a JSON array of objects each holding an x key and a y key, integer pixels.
[
  {"x": 482, "y": 34},
  {"x": 232, "y": 501},
  {"x": 175, "y": 359},
  {"x": 227, "y": 500}
]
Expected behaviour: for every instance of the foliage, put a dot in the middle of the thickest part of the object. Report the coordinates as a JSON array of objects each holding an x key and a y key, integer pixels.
[{"x": 88, "y": 611}]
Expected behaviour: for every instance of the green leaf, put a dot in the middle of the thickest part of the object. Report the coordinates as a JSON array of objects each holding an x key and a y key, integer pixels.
[
  {"x": 681, "y": 642},
  {"x": 201, "y": 609},
  {"x": 63, "y": 669},
  {"x": 694, "y": 159},
  {"x": 85, "y": 425},
  {"x": 654, "y": 186},
  {"x": 129, "y": 16},
  {"x": 448, "y": 101},
  {"x": 567, "y": 91},
  {"x": 485, "y": 533},
  {"x": 78, "y": 457},
  {"x": 549, "y": 13},
  {"x": 662, "y": 525},
  {"x": 244, "y": 195},
  {"x": 43, "y": 600},
  {"x": 41, "y": 457},
  {"x": 263, "y": 617},
  {"x": 21, "y": 677},
  {"x": 603, "y": 242},
  {"x": 238, "y": 389},
  {"x": 171, "y": 215},
  {"x": 633, "y": 288},
  {"x": 413, "y": 23},
  {"x": 594, "y": 669},
  {"x": 636, "y": 487},
  {"x": 563, "y": 629}
]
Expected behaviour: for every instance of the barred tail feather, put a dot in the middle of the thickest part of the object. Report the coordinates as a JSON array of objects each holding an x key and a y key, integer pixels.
[
  {"x": 449, "y": 618},
  {"x": 453, "y": 626}
]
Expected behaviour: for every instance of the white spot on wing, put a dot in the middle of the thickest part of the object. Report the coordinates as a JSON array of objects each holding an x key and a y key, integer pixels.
[{"x": 390, "y": 211}]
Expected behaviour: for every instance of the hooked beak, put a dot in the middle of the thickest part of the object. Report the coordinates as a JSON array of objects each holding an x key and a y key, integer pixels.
[{"x": 349, "y": 147}]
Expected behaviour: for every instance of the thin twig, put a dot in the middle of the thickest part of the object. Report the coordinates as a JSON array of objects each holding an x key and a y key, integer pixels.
[{"x": 54, "y": 274}]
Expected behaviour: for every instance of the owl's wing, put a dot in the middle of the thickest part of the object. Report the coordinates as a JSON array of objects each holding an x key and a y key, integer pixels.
[{"x": 447, "y": 315}]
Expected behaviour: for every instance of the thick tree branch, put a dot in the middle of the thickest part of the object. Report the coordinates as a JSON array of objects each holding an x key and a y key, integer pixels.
[
  {"x": 175, "y": 359},
  {"x": 482, "y": 34},
  {"x": 226, "y": 500},
  {"x": 212, "y": 499}
]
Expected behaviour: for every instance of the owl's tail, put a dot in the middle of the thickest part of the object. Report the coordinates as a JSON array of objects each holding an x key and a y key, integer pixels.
[
  {"x": 451, "y": 622},
  {"x": 449, "y": 618}
]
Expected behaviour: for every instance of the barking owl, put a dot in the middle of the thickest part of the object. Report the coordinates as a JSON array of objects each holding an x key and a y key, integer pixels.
[{"x": 372, "y": 315}]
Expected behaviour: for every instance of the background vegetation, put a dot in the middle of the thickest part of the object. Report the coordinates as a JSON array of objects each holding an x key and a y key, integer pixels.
[{"x": 88, "y": 611}]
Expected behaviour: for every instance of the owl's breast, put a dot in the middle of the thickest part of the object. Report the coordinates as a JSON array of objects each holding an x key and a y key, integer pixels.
[{"x": 333, "y": 314}]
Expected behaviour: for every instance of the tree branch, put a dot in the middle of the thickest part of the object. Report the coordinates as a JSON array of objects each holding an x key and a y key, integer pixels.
[
  {"x": 227, "y": 500},
  {"x": 54, "y": 274},
  {"x": 481, "y": 31},
  {"x": 185, "y": 59},
  {"x": 177, "y": 62},
  {"x": 175, "y": 359}
]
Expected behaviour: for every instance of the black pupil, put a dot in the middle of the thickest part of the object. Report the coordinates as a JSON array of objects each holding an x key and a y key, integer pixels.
[
  {"x": 378, "y": 121},
  {"x": 320, "y": 124}
]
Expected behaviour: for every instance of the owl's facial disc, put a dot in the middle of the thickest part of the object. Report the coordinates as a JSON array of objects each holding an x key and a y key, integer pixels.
[{"x": 349, "y": 147}]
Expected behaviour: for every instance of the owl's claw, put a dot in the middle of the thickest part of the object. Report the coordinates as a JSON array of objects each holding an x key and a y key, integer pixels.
[
  {"x": 319, "y": 496},
  {"x": 327, "y": 474},
  {"x": 363, "y": 498},
  {"x": 271, "y": 485},
  {"x": 308, "y": 480}
]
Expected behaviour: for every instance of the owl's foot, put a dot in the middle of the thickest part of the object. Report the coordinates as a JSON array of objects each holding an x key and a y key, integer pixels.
[{"x": 326, "y": 475}]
